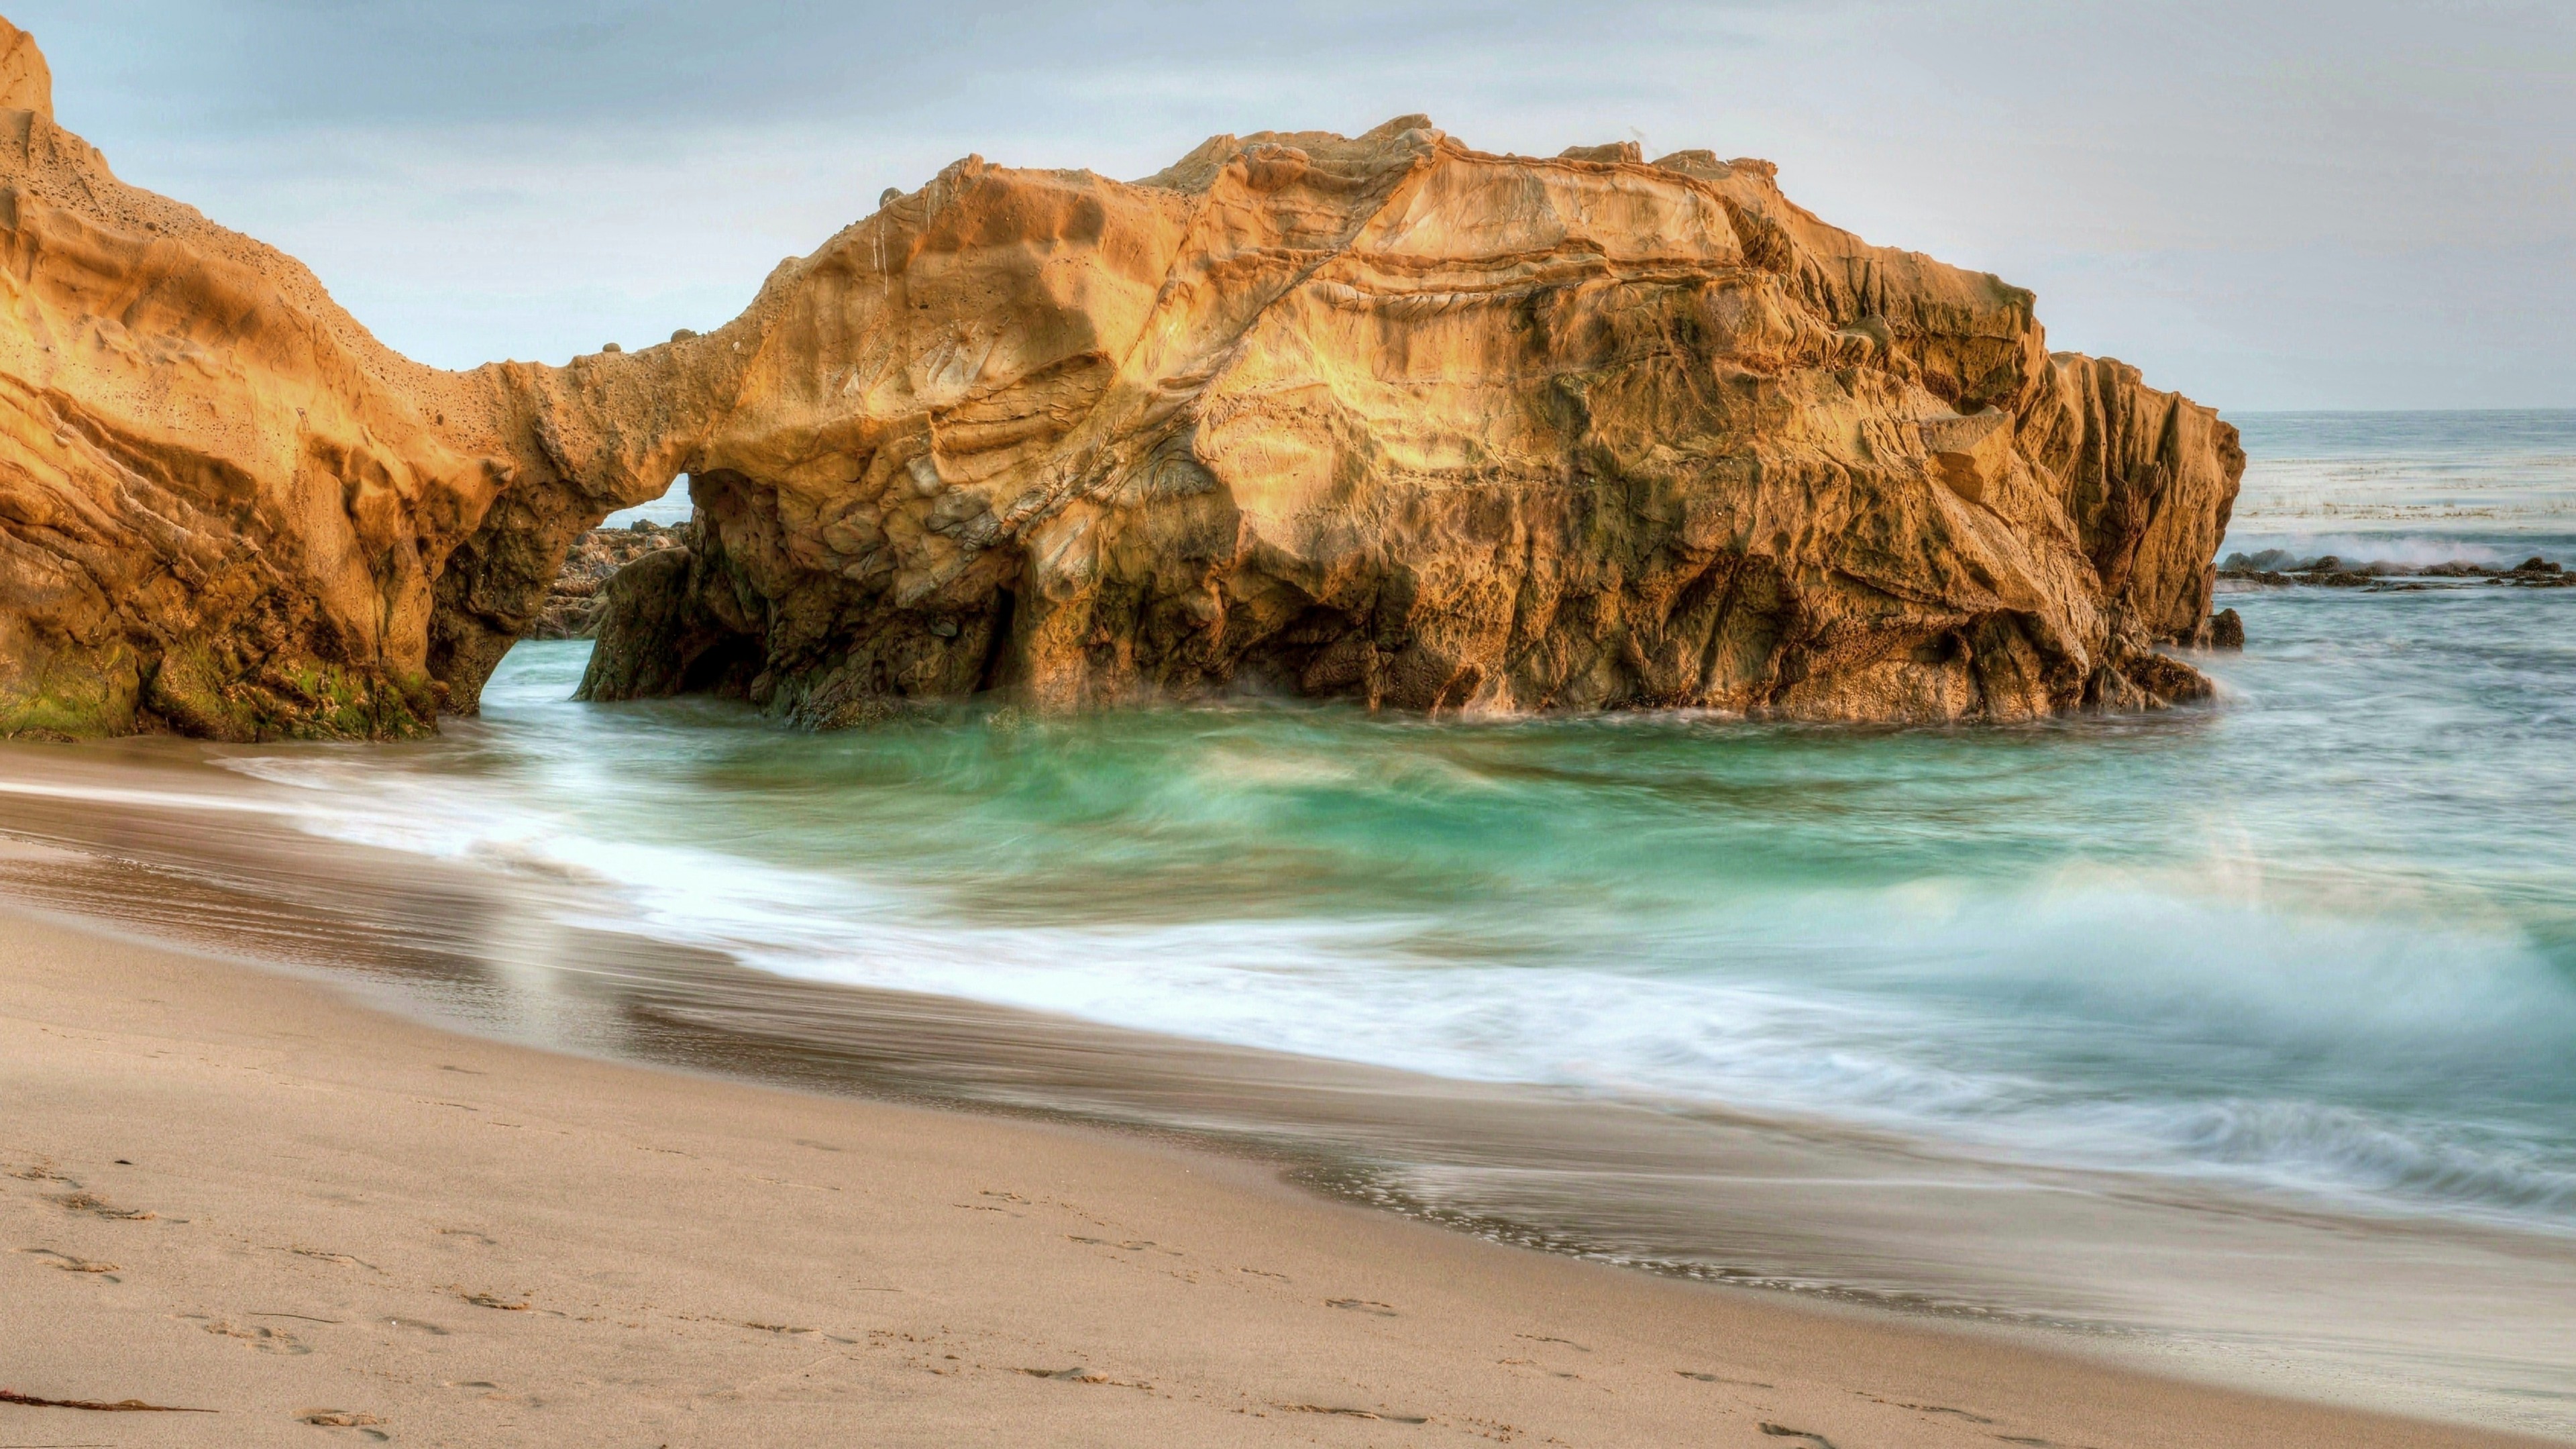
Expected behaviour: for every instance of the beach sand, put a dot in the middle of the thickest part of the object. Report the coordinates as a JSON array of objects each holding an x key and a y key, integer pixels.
[{"x": 226, "y": 1189}]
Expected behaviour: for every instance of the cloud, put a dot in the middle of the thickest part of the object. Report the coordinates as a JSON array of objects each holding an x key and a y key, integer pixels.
[{"x": 2260, "y": 205}]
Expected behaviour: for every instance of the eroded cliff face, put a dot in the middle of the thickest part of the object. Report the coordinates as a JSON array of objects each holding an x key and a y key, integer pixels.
[
  {"x": 1382, "y": 417},
  {"x": 225, "y": 509},
  {"x": 1391, "y": 418}
]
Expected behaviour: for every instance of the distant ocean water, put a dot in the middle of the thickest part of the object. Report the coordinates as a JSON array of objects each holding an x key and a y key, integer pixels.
[{"x": 2313, "y": 947}]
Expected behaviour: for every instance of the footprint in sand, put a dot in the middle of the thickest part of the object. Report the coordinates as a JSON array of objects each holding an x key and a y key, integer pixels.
[
  {"x": 328, "y": 1256},
  {"x": 1132, "y": 1245},
  {"x": 266, "y": 1340},
  {"x": 343, "y": 1419},
  {"x": 105, "y": 1272},
  {"x": 99, "y": 1207},
  {"x": 1377, "y": 1414},
  {"x": 1930, "y": 1409},
  {"x": 1364, "y": 1305},
  {"x": 1080, "y": 1375}
]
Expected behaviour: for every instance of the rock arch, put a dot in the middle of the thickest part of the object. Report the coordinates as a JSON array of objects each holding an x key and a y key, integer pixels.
[{"x": 1382, "y": 416}]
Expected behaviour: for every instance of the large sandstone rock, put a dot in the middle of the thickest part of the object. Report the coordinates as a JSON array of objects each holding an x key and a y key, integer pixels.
[
  {"x": 1383, "y": 417},
  {"x": 226, "y": 509},
  {"x": 1396, "y": 419}
]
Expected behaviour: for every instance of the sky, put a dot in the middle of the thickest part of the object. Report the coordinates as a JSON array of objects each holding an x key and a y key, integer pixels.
[{"x": 2267, "y": 205}]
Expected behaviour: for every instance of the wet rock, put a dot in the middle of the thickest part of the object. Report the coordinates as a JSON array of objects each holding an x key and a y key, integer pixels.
[
  {"x": 2226, "y": 630},
  {"x": 572, "y": 605},
  {"x": 2537, "y": 573},
  {"x": 657, "y": 637},
  {"x": 2277, "y": 568},
  {"x": 2152, "y": 681}
]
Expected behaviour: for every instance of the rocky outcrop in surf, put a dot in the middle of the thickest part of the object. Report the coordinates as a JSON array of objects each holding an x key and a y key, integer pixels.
[
  {"x": 1394, "y": 419},
  {"x": 580, "y": 590},
  {"x": 2280, "y": 568},
  {"x": 1382, "y": 417}
]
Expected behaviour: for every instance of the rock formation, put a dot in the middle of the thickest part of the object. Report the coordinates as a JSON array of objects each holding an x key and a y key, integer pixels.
[
  {"x": 2279, "y": 568},
  {"x": 1381, "y": 417},
  {"x": 1394, "y": 419},
  {"x": 225, "y": 509},
  {"x": 579, "y": 592}
]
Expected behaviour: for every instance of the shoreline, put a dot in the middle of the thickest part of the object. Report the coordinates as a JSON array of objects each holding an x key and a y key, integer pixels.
[
  {"x": 2261, "y": 1295},
  {"x": 711, "y": 1262}
]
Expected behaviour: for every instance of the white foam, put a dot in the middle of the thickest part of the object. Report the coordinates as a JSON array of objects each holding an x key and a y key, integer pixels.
[{"x": 1931, "y": 1008}]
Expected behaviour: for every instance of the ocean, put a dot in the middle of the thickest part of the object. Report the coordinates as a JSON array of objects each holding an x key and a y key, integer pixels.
[{"x": 2299, "y": 965}]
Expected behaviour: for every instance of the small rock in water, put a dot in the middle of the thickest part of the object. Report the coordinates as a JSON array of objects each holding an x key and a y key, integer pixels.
[
  {"x": 572, "y": 605},
  {"x": 2226, "y": 630}
]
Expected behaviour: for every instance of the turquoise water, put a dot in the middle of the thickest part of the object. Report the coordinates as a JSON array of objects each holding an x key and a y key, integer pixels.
[{"x": 2317, "y": 942}]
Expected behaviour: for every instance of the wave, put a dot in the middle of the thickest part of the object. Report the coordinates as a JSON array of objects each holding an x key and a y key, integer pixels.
[{"x": 2074, "y": 1021}]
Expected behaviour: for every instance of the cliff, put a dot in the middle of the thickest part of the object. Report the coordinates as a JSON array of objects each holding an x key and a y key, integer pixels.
[
  {"x": 225, "y": 509},
  {"x": 1383, "y": 417}
]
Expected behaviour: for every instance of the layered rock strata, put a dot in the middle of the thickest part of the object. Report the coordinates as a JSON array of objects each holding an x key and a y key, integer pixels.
[
  {"x": 1394, "y": 419},
  {"x": 1380, "y": 417}
]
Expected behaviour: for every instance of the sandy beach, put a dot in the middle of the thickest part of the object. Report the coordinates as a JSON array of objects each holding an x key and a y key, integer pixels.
[
  {"x": 232, "y": 1191},
  {"x": 1784, "y": 726}
]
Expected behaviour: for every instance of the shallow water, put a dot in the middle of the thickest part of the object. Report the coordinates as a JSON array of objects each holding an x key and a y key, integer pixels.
[{"x": 2313, "y": 949}]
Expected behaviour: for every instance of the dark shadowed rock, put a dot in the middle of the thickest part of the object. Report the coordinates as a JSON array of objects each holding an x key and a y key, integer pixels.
[
  {"x": 2226, "y": 630},
  {"x": 573, "y": 603}
]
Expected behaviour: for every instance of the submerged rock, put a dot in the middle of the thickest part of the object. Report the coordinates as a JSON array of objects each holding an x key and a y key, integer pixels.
[
  {"x": 2226, "y": 630},
  {"x": 2279, "y": 568},
  {"x": 1383, "y": 417}
]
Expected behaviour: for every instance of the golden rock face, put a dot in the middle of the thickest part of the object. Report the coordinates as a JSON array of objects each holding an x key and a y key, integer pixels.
[
  {"x": 1390, "y": 418},
  {"x": 1382, "y": 417},
  {"x": 222, "y": 504}
]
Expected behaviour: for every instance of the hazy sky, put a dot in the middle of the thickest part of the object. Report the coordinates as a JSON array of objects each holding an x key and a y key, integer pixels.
[{"x": 2268, "y": 205}]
